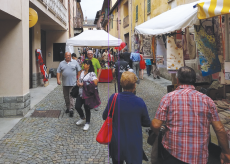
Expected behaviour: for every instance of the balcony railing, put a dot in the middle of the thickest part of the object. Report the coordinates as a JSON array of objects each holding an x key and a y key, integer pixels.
[
  {"x": 57, "y": 8},
  {"x": 126, "y": 22}
]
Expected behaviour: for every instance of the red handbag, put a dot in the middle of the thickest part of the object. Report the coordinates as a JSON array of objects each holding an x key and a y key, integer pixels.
[{"x": 105, "y": 134}]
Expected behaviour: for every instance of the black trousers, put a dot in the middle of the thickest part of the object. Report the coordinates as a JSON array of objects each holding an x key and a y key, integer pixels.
[
  {"x": 117, "y": 162},
  {"x": 169, "y": 159},
  {"x": 78, "y": 105}
]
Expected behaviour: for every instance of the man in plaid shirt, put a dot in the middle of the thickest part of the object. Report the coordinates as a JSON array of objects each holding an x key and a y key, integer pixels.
[{"x": 188, "y": 114}]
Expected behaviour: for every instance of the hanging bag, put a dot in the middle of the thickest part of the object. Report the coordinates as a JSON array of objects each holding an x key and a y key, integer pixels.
[
  {"x": 75, "y": 90},
  {"x": 105, "y": 134}
]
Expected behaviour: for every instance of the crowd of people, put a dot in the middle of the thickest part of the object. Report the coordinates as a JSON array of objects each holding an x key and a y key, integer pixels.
[{"x": 186, "y": 113}]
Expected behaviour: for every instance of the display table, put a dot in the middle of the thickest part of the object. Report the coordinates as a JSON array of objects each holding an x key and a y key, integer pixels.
[{"x": 106, "y": 75}]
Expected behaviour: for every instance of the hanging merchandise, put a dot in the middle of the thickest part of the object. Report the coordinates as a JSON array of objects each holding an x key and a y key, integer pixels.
[
  {"x": 175, "y": 58},
  {"x": 153, "y": 49},
  {"x": 189, "y": 45},
  {"x": 43, "y": 68},
  {"x": 161, "y": 53},
  {"x": 147, "y": 51},
  {"x": 207, "y": 51}
]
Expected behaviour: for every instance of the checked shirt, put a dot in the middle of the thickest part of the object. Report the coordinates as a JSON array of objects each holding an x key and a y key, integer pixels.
[{"x": 188, "y": 115}]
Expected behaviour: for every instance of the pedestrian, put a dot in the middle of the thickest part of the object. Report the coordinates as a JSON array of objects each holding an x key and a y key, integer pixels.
[
  {"x": 142, "y": 66},
  {"x": 119, "y": 67},
  {"x": 126, "y": 55},
  {"x": 69, "y": 69},
  {"x": 148, "y": 65},
  {"x": 130, "y": 114},
  {"x": 94, "y": 53},
  {"x": 74, "y": 56},
  {"x": 156, "y": 72},
  {"x": 110, "y": 58},
  {"x": 87, "y": 75},
  {"x": 188, "y": 114},
  {"x": 82, "y": 57},
  {"x": 105, "y": 56},
  {"x": 95, "y": 62},
  {"x": 79, "y": 60},
  {"x": 96, "y": 65},
  {"x": 135, "y": 57}
]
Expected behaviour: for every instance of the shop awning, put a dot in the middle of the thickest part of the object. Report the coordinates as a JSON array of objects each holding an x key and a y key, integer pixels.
[
  {"x": 211, "y": 8},
  {"x": 175, "y": 19},
  {"x": 95, "y": 39}
]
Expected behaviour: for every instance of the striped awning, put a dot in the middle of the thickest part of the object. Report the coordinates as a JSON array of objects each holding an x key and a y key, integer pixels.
[{"x": 211, "y": 8}]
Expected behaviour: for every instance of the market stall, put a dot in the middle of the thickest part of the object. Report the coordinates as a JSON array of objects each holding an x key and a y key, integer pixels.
[
  {"x": 99, "y": 39},
  {"x": 196, "y": 35}
]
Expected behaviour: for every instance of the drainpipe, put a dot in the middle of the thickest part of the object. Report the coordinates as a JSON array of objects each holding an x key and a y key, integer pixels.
[
  {"x": 144, "y": 10},
  {"x": 69, "y": 17}
]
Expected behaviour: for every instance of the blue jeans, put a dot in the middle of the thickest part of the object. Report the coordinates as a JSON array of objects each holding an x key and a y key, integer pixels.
[{"x": 148, "y": 69}]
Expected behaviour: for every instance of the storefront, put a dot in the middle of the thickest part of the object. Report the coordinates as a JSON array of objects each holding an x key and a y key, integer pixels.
[{"x": 196, "y": 35}]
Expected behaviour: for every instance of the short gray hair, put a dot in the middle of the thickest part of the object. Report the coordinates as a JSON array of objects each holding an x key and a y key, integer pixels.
[{"x": 89, "y": 50}]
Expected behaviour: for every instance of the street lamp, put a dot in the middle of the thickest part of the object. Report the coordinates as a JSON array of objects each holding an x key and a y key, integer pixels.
[{"x": 111, "y": 18}]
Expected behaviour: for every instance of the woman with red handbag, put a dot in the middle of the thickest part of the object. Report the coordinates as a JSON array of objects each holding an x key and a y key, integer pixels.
[{"x": 129, "y": 115}]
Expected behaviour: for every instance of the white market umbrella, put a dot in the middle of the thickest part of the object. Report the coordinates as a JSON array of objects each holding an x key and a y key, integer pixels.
[
  {"x": 177, "y": 18},
  {"x": 94, "y": 38}
]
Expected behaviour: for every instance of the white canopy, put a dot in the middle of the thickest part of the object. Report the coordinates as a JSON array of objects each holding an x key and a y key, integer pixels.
[
  {"x": 95, "y": 39},
  {"x": 175, "y": 19}
]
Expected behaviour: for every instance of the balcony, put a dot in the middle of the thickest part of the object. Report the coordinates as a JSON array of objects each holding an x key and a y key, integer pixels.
[
  {"x": 104, "y": 21},
  {"x": 57, "y": 8},
  {"x": 126, "y": 22}
]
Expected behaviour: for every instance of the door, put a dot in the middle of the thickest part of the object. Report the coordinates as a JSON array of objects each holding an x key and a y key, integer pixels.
[
  {"x": 127, "y": 41},
  {"x": 43, "y": 45},
  {"x": 30, "y": 57}
]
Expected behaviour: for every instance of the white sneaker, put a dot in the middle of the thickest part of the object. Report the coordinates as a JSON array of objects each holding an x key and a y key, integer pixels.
[
  {"x": 81, "y": 121},
  {"x": 86, "y": 127}
]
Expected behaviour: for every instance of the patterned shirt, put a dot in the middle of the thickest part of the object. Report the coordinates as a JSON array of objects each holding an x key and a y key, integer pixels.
[
  {"x": 135, "y": 57},
  {"x": 188, "y": 115}
]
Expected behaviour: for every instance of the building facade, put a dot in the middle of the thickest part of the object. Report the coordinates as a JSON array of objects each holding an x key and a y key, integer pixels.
[
  {"x": 18, "y": 61},
  {"x": 120, "y": 17}
]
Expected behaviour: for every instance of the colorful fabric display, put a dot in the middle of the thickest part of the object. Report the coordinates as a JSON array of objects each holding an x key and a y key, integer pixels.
[
  {"x": 161, "y": 53},
  {"x": 175, "y": 58},
  {"x": 207, "y": 51}
]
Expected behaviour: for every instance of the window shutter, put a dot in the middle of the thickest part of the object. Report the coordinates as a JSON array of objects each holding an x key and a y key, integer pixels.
[
  {"x": 149, "y": 6},
  {"x": 137, "y": 13}
]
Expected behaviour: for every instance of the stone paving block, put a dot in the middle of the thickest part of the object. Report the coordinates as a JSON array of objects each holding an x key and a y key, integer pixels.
[
  {"x": 20, "y": 99},
  {"x": 5, "y": 106},
  {"x": 10, "y": 112},
  {"x": 1, "y": 115},
  {"x": 9, "y": 100},
  {"x": 1, "y": 100},
  {"x": 17, "y": 105},
  {"x": 27, "y": 103}
]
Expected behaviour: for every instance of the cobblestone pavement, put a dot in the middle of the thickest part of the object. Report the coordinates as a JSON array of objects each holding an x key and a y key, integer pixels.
[{"x": 59, "y": 140}]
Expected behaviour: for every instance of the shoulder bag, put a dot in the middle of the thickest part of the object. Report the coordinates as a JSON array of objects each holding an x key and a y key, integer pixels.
[
  {"x": 75, "y": 90},
  {"x": 105, "y": 134}
]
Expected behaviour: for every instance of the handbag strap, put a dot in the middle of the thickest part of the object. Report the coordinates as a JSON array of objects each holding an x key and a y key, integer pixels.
[{"x": 113, "y": 104}]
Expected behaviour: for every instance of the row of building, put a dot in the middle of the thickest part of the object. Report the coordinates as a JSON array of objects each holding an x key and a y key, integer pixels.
[
  {"x": 58, "y": 20},
  {"x": 120, "y": 17}
]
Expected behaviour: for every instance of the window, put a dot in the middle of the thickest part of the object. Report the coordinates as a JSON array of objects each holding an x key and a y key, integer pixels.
[
  {"x": 227, "y": 37},
  {"x": 117, "y": 24},
  {"x": 148, "y": 6},
  {"x": 58, "y": 51},
  {"x": 136, "y": 13}
]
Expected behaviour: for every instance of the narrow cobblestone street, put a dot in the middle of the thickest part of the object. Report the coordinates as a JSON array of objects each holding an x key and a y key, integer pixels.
[{"x": 59, "y": 140}]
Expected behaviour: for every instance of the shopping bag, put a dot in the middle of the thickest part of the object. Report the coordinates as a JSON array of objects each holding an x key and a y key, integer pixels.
[{"x": 105, "y": 134}]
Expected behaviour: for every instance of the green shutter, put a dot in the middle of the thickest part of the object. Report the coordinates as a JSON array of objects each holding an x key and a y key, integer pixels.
[
  {"x": 137, "y": 13},
  {"x": 149, "y": 6}
]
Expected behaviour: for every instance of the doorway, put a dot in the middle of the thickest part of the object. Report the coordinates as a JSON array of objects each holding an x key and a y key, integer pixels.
[
  {"x": 43, "y": 45},
  {"x": 127, "y": 41},
  {"x": 30, "y": 58}
]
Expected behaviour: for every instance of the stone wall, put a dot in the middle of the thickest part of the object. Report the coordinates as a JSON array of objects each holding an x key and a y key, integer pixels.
[
  {"x": 165, "y": 74},
  {"x": 14, "y": 106},
  {"x": 36, "y": 79}
]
